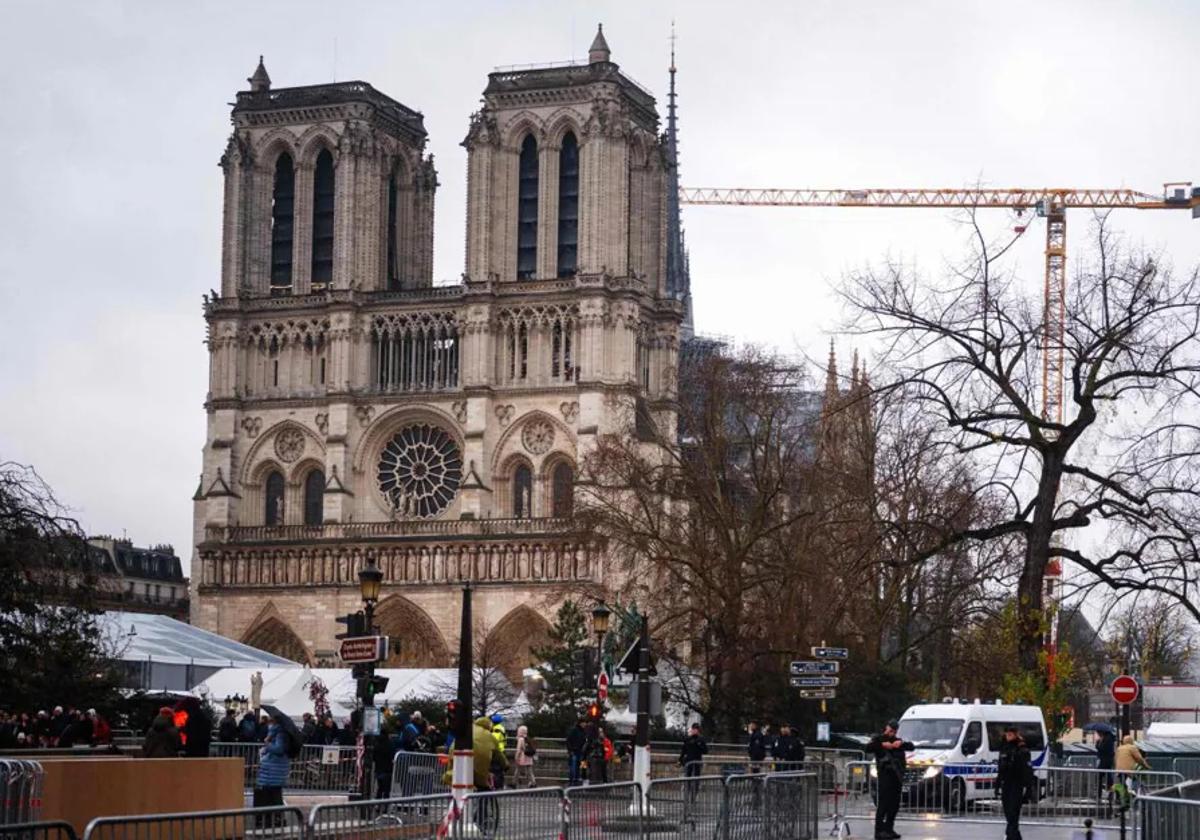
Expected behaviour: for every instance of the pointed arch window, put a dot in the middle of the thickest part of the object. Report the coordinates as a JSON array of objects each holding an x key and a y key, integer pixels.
[
  {"x": 393, "y": 261},
  {"x": 322, "y": 222},
  {"x": 314, "y": 497},
  {"x": 273, "y": 514},
  {"x": 283, "y": 204},
  {"x": 527, "y": 210},
  {"x": 523, "y": 492},
  {"x": 568, "y": 206},
  {"x": 562, "y": 489}
]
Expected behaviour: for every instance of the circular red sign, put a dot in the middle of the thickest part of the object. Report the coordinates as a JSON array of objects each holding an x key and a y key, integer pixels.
[{"x": 1124, "y": 689}]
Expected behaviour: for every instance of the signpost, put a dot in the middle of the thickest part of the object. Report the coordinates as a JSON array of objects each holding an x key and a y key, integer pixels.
[
  {"x": 602, "y": 686},
  {"x": 830, "y": 652},
  {"x": 363, "y": 649},
  {"x": 821, "y": 694},
  {"x": 813, "y": 682},
  {"x": 1124, "y": 691},
  {"x": 811, "y": 667}
]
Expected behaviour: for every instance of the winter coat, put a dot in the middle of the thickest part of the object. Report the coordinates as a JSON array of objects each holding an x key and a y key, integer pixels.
[
  {"x": 577, "y": 740},
  {"x": 523, "y": 760},
  {"x": 274, "y": 764},
  {"x": 694, "y": 749},
  {"x": 1105, "y": 751},
  {"x": 788, "y": 748},
  {"x": 1013, "y": 769},
  {"x": 248, "y": 729},
  {"x": 757, "y": 748},
  {"x": 384, "y": 754},
  {"x": 483, "y": 745},
  {"x": 228, "y": 731},
  {"x": 1129, "y": 757},
  {"x": 889, "y": 760},
  {"x": 162, "y": 741}
]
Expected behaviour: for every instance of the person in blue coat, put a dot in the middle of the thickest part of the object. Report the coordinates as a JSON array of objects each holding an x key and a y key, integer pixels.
[{"x": 273, "y": 768}]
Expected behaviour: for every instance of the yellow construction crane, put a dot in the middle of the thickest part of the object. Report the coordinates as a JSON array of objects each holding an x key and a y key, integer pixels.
[{"x": 1050, "y": 203}]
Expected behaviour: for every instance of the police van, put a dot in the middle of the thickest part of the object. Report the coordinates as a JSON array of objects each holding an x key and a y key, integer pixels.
[{"x": 957, "y": 745}]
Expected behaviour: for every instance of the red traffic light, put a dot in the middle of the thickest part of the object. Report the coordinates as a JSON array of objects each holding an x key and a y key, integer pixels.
[{"x": 593, "y": 711}]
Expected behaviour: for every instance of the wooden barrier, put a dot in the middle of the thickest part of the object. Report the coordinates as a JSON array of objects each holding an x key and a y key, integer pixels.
[{"x": 78, "y": 789}]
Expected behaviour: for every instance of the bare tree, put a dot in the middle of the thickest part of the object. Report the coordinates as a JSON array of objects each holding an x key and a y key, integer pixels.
[
  {"x": 1110, "y": 487},
  {"x": 493, "y": 658}
]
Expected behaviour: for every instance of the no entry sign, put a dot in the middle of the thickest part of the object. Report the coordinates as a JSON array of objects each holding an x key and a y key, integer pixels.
[{"x": 1124, "y": 690}]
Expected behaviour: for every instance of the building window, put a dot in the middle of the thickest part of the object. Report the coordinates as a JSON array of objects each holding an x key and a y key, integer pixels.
[
  {"x": 322, "y": 223},
  {"x": 172, "y": 593},
  {"x": 562, "y": 489},
  {"x": 157, "y": 592},
  {"x": 416, "y": 352},
  {"x": 393, "y": 263},
  {"x": 419, "y": 470},
  {"x": 314, "y": 497},
  {"x": 527, "y": 210},
  {"x": 274, "y": 508},
  {"x": 283, "y": 201},
  {"x": 568, "y": 206},
  {"x": 523, "y": 492}
]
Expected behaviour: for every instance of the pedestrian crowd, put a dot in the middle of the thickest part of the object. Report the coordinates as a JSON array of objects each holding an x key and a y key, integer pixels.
[{"x": 62, "y": 728}]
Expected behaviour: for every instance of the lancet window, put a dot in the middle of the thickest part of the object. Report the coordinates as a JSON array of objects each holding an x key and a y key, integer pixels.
[
  {"x": 273, "y": 515},
  {"x": 418, "y": 352},
  {"x": 538, "y": 345},
  {"x": 314, "y": 497},
  {"x": 527, "y": 210},
  {"x": 285, "y": 358},
  {"x": 322, "y": 222},
  {"x": 568, "y": 206},
  {"x": 283, "y": 202}
]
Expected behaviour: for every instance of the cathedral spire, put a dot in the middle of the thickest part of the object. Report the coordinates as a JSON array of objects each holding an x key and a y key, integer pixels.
[
  {"x": 854, "y": 371},
  {"x": 260, "y": 81},
  {"x": 831, "y": 377},
  {"x": 599, "y": 51},
  {"x": 678, "y": 279}
]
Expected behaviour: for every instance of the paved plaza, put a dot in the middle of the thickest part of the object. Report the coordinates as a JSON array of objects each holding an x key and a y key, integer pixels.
[{"x": 935, "y": 829}]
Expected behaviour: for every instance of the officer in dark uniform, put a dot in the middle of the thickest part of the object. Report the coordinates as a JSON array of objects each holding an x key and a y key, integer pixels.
[
  {"x": 1014, "y": 775},
  {"x": 888, "y": 750}
]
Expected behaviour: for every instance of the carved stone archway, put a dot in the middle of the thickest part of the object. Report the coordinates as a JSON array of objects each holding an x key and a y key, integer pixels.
[
  {"x": 421, "y": 643},
  {"x": 273, "y": 635},
  {"x": 514, "y": 638}
]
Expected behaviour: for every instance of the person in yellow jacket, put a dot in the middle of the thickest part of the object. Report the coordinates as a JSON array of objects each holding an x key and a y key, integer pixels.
[{"x": 485, "y": 750}]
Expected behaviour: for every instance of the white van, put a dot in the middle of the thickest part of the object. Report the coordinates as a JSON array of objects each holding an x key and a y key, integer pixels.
[{"x": 957, "y": 746}]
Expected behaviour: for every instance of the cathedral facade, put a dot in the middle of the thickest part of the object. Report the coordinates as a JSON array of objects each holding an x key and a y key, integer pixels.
[{"x": 357, "y": 412}]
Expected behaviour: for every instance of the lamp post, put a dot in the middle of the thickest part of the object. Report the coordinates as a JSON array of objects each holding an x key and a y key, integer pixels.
[
  {"x": 370, "y": 578},
  {"x": 463, "y": 769},
  {"x": 600, "y": 616}
]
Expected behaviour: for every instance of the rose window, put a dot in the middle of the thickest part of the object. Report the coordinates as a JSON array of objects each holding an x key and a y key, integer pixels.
[{"x": 420, "y": 469}]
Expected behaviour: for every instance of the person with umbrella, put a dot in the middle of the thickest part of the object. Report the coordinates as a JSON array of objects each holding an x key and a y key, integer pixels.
[{"x": 282, "y": 744}]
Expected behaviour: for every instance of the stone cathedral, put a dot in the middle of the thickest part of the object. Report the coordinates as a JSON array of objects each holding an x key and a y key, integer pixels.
[{"x": 356, "y": 411}]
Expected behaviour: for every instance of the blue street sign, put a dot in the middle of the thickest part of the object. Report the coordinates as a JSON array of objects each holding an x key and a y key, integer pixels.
[
  {"x": 813, "y": 667},
  {"x": 831, "y": 653},
  {"x": 813, "y": 682}
]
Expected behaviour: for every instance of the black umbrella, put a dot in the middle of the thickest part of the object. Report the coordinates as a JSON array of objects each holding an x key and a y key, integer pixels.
[
  {"x": 1100, "y": 727},
  {"x": 288, "y": 725}
]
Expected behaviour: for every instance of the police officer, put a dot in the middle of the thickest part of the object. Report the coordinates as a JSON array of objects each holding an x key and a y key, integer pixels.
[
  {"x": 888, "y": 749},
  {"x": 1013, "y": 776}
]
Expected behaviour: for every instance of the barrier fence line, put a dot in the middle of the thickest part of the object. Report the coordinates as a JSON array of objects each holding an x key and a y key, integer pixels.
[
  {"x": 532, "y": 813},
  {"x": 968, "y": 792},
  {"x": 414, "y": 817},
  {"x": 595, "y": 811},
  {"x": 48, "y": 830},
  {"x": 282, "y": 823},
  {"x": 419, "y": 774},
  {"x": 21, "y": 788}
]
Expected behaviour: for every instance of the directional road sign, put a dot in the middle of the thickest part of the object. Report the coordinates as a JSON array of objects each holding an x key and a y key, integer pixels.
[
  {"x": 363, "y": 649},
  {"x": 814, "y": 667},
  {"x": 813, "y": 682},
  {"x": 831, "y": 653},
  {"x": 818, "y": 694},
  {"x": 1124, "y": 689}
]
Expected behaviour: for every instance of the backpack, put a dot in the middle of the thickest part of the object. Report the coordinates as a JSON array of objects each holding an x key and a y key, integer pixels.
[{"x": 530, "y": 747}]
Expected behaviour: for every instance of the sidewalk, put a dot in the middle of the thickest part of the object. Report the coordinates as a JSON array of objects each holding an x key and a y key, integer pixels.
[{"x": 949, "y": 830}]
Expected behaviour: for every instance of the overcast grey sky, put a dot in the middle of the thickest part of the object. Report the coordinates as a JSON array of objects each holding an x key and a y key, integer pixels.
[{"x": 114, "y": 115}]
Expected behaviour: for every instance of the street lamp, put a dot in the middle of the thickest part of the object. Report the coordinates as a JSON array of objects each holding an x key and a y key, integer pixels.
[
  {"x": 370, "y": 578},
  {"x": 600, "y": 616}
]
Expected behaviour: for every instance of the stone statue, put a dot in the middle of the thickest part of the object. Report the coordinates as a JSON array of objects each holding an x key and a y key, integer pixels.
[{"x": 256, "y": 682}]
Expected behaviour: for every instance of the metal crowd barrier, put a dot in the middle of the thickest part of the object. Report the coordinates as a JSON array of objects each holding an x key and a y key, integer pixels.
[
  {"x": 1169, "y": 814},
  {"x": 1189, "y": 768},
  {"x": 414, "y": 818},
  {"x": 21, "y": 787},
  {"x": 532, "y": 813},
  {"x": 597, "y": 811},
  {"x": 968, "y": 792},
  {"x": 48, "y": 830},
  {"x": 419, "y": 774},
  {"x": 317, "y": 768},
  {"x": 280, "y": 823}
]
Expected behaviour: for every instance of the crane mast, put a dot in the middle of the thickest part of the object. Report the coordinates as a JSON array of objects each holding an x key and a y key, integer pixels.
[{"x": 1051, "y": 203}]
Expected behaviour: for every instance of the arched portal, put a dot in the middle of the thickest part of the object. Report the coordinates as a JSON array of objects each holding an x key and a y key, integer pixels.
[
  {"x": 274, "y": 636},
  {"x": 514, "y": 638},
  {"x": 421, "y": 644}
]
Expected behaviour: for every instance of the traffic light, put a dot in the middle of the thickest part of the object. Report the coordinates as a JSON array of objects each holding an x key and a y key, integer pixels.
[
  {"x": 593, "y": 712},
  {"x": 371, "y": 685},
  {"x": 454, "y": 710},
  {"x": 356, "y": 625}
]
